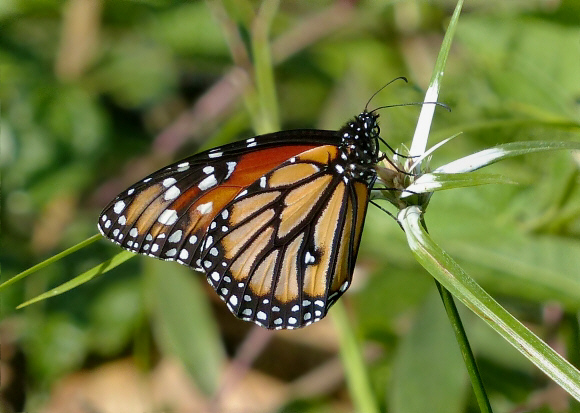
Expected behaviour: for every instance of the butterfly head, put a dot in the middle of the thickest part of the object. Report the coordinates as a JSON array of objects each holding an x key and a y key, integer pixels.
[{"x": 360, "y": 142}]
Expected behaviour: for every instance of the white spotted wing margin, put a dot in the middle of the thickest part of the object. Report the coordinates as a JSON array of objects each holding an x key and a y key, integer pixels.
[{"x": 283, "y": 252}]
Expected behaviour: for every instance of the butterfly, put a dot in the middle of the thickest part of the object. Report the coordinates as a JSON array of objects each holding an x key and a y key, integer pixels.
[{"x": 274, "y": 221}]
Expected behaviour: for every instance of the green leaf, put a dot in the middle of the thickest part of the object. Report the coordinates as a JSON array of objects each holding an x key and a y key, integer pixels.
[
  {"x": 114, "y": 316},
  {"x": 448, "y": 273},
  {"x": 499, "y": 152},
  {"x": 183, "y": 323},
  {"x": 528, "y": 267},
  {"x": 428, "y": 363},
  {"x": 432, "y": 182}
]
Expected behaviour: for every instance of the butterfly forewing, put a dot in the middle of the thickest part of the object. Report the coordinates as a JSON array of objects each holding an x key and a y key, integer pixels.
[
  {"x": 274, "y": 221},
  {"x": 178, "y": 202}
]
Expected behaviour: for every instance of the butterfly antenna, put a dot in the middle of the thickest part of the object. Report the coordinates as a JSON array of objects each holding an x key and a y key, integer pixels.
[
  {"x": 374, "y": 94},
  {"x": 443, "y": 105}
]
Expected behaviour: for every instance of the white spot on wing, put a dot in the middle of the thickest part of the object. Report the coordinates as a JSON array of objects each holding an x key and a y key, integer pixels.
[
  {"x": 168, "y": 217},
  {"x": 231, "y": 166},
  {"x": 215, "y": 154},
  {"x": 207, "y": 183},
  {"x": 205, "y": 208},
  {"x": 176, "y": 236},
  {"x": 172, "y": 193},
  {"x": 119, "y": 207},
  {"x": 167, "y": 182},
  {"x": 171, "y": 252},
  {"x": 241, "y": 194}
]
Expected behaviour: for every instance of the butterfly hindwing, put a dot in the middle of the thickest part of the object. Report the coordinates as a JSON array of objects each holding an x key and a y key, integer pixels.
[{"x": 281, "y": 252}]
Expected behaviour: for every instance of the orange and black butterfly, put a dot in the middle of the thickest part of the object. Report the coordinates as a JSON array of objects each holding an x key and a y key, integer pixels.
[{"x": 274, "y": 221}]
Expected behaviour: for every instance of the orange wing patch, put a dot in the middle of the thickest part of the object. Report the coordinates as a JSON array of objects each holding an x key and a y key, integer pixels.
[
  {"x": 287, "y": 284},
  {"x": 321, "y": 154},
  {"x": 241, "y": 267},
  {"x": 324, "y": 234},
  {"x": 299, "y": 202},
  {"x": 362, "y": 200},
  {"x": 261, "y": 282},
  {"x": 292, "y": 173},
  {"x": 235, "y": 240},
  {"x": 245, "y": 207},
  {"x": 342, "y": 268}
]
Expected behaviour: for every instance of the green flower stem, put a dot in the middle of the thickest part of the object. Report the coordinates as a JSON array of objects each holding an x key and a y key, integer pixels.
[
  {"x": 464, "y": 346},
  {"x": 468, "y": 357},
  {"x": 50, "y": 260}
]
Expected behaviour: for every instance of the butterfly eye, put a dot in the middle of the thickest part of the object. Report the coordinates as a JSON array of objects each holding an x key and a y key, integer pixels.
[{"x": 273, "y": 221}]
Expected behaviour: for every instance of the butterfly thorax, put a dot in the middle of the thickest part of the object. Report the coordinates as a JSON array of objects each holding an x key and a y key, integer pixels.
[{"x": 360, "y": 146}]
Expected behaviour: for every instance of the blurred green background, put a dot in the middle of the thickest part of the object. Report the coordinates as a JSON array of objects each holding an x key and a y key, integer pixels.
[{"x": 97, "y": 94}]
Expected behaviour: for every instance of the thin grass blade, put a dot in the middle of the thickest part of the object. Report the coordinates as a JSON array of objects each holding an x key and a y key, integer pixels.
[
  {"x": 51, "y": 260},
  {"x": 82, "y": 278}
]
